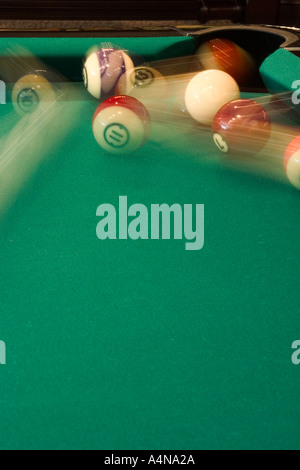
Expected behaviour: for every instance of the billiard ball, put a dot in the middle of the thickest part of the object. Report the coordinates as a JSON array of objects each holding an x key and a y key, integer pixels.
[
  {"x": 223, "y": 54},
  {"x": 143, "y": 83},
  {"x": 207, "y": 92},
  {"x": 31, "y": 92},
  {"x": 102, "y": 70},
  {"x": 121, "y": 124},
  {"x": 241, "y": 126},
  {"x": 292, "y": 162}
]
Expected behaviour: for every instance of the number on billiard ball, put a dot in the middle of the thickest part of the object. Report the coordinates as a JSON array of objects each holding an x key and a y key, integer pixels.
[
  {"x": 241, "y": 126},
  {"x": 102, "y": 70},
  {"x": 121, "y": 124}
]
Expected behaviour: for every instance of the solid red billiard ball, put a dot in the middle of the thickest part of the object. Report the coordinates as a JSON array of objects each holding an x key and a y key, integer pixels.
[
  {"x": 292, "y": 162},
  {"x": 241, "y": 126},
  {"x": 121, "y": 124},
  {"x": 223, "y": 54}
]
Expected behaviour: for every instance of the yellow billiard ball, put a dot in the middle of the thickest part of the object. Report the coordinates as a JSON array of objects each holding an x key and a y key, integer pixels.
[{"x": 32, "y": 91}]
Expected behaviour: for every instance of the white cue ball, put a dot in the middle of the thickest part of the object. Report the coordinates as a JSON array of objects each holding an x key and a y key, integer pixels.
[{"x": 207, "y": 92}]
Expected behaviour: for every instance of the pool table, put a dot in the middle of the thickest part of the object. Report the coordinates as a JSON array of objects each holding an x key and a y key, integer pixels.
[{"x": 142, "y": 344}]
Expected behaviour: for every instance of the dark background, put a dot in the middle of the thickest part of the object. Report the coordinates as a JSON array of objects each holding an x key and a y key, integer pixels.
[{"x": 285, "y": 12}]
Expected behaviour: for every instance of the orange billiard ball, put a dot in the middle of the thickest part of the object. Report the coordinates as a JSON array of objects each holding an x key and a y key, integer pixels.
[{"x": 225, "y": 55}]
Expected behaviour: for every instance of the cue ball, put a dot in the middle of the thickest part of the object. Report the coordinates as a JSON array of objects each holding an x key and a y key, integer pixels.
[
  {"x": 30, "y": 92},
  {"x": 241, "y": 126},
  {"x": 121, "y": 124},
  {"x": 207, "y": 92},
  {"x": 222, "y": 54},
  {"x": 102, "y": 70},
  {"x": 292, "y": 162}
]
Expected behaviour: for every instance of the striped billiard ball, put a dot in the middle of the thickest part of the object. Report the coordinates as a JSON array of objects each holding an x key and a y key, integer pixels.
[
  {"x": 121, "y": 124},
  {"x": 292, "y": 162},
  {"x": 102, "y": 70}
]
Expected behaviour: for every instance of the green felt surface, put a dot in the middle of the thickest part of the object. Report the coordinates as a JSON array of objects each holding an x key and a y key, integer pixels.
[
  {"x": 280, "y": 78},
  {"x": 67, "y": 54},
  {"x": 141, "y": 344},
  {"x": 280, "y": 72}
]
